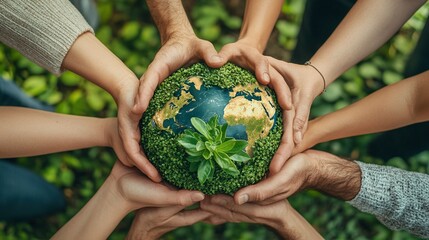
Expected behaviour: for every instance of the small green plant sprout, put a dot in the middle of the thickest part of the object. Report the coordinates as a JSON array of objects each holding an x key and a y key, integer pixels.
[{"x": 209, "y": 144}]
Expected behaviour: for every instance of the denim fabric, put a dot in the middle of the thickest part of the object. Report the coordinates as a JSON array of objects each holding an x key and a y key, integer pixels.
[
  {"x": 11, "y": 95},
  {"x": 88, "y": 9},
  {"x": 25, "y": 195}
]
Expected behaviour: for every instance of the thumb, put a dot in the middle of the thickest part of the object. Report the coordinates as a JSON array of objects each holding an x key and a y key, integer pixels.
[
  {"x": 166, "y": 197},
  {"x": 258, "y": 192},
  {"x": 301, "y": 118},
  {"x": 207, "y": 52}
]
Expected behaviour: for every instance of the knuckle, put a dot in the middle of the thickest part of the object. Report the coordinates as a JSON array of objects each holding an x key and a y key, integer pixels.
[{"x": 299, "y": 123}]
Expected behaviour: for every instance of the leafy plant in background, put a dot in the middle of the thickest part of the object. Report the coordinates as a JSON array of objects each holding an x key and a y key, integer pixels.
[{"x": 210, "y": 144}]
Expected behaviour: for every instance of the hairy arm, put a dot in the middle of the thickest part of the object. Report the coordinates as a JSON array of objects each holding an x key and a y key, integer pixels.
[
  {"x": 391, "y": 107},
  {"x": 29, "y": 132},
  {"x": 170, "y": 18}
]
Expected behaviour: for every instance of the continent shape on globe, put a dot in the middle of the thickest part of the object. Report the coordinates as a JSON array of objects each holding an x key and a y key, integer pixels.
[{"x": 248, "y": 110}]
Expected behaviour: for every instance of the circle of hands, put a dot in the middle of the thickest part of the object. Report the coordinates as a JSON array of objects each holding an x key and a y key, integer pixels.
[{"x": 163, "y": 208}]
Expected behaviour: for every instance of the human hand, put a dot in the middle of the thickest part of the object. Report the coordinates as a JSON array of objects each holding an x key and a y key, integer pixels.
[
  {"x": 278, "y": 215},
  {"x": 179, "y": 50},
  {"x": 129, "y": 131},
  {"x": 311, "y": 169},
  {"x": 137, "y": 191},
  {"x": 152, "y": 222},
  {"x": 247, "y": 56},
  {"x": 305, "y": 84}
]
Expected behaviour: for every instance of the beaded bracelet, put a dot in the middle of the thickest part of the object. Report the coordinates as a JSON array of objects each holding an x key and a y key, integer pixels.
[{"x": 308, "y": 63}]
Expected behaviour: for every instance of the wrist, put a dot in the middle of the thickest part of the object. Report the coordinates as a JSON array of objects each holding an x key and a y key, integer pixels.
[
  {"x": 253, "y": 42},
  {"x": 324, "y": 69},
  {"x": 109, "y": 125},
  {"x": 334, "y": 176},
  {"x": 114, "y": 199}
]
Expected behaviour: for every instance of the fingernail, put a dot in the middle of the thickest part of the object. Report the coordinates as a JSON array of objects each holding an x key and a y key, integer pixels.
[
  {"x": 243, "y": 199},
  {"x": 266, "y": 77},
  {"x": 216, "y": 58},
  {"x": 196, "y": 197}
]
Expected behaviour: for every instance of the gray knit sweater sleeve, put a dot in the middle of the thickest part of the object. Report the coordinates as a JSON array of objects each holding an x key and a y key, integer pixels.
[
  {"x": 42, "y": 30},
  {"x": 398, "y": 198}
]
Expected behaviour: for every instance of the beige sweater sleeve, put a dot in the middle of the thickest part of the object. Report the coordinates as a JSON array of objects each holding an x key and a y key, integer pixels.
[{"x": 42, "y": 30}]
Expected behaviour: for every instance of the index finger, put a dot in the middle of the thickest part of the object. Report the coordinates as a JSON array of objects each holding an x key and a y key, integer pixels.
[{"x": 286, "y": 144}]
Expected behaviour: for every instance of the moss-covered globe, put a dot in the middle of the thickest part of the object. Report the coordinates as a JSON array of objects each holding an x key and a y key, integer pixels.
[{"x": 249, "y": 110}]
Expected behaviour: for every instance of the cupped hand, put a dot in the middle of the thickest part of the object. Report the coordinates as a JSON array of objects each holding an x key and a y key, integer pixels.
[
  {"x": 296, "y": 174},
  {"x": 280, "y": 216},
  {"x": 128, "y": 128},
  {"x": 178, "y": 51},
  {"x": 305, "y": 84},
  {"x": 223, "y": 207},
  {"x": 138, "y": 191},
  {"x": 249, "y": 57},
  {"x": 153, "y": 222}
]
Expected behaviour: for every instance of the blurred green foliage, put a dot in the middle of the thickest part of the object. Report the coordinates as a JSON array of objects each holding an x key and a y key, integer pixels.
[{"x": 127, "y": 29}]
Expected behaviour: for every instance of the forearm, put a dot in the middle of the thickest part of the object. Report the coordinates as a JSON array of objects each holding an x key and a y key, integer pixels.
[
  {"x": 43, "y": 31},
  {"x": 258, "y": 22},
  {"x": 398, "y": 198},
  {"x": 28, "y": 132},
  {"x": 295, "y": 226},
  {"x": 332, "y": 175},
  {"x": 365, "y": 28},
  {"x": 170, "y": 18},
  {"x": 89, "y": 58},
  {"x": 392, "y": 107},
  {"x": 99, "y": 217}
]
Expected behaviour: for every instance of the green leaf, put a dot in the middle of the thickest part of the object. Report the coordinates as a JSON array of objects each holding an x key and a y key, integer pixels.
[
  {"x": 193, "y": 134},
  {"x": 207, "y": 154},
  {"x": 223, "y": 131},
  {"x": 210, "y": 33},
  {"x": 95, "y": 101},
  {"x": 35, "y": 85},
  {"x": 70, "y": 79},
  {"x": 187, "y": 143},
  {"x": 390, "y": 77},
  {"x": 200, "y": 126},
  {"x": 193, "y": 159},
  {"x": 239, "y": 145},
  {"x": 204, "y": 171},
  {"x": 226, "y": 146},
  {"x": 240, "y": 157},
  {"x": 130, "y": 30},
  {"x": 223, "y": 160},
  {"x": 194, "y": 153},
  {"x": 213, "y": 122},
  {"x": 200, "y": 146},
  {"x": 368, "y": 70},
  {"x": 333, "y": 92}
]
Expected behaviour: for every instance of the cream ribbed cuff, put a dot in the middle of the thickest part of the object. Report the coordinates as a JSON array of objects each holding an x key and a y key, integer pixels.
[{"x": 42, "y": 30}]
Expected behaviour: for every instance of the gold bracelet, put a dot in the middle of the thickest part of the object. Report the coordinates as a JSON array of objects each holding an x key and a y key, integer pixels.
[{"x": 308, "y": 63}]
